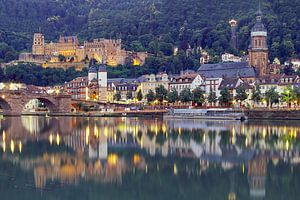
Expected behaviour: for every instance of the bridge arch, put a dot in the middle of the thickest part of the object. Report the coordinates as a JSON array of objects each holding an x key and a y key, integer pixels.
[
  {"x": 48, "y": 102},
  {"x": 5, "y": 106}
]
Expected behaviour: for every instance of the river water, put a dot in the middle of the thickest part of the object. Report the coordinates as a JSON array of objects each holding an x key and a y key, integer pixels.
[{"x": 144, "y": 158}]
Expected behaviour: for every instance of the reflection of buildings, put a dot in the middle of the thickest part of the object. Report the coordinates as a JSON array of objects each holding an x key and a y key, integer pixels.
[
  {"x": 257, "y": 172},
  {"x": 91, "y": 141}
]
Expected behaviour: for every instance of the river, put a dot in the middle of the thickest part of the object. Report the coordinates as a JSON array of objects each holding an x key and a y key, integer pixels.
[{"x": 144, "y": 158}]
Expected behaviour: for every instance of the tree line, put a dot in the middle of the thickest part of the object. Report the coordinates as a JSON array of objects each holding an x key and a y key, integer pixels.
[
  {"x": 31, "y": 74},
  {"x": 198, "y": 96},
  {"x": 156, "y": 26}
]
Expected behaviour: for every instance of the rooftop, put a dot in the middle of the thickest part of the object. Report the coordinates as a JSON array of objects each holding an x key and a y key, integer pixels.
[{"x": 228, "y": 70}]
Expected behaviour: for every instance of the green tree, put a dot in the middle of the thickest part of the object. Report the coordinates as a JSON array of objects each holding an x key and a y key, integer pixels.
[
  {"x": 241, "y": 94},
  {"x": 129, "y": 94},
  {"x": 212, "y": 97},
  {"x": 289, "y": 96},
  {"x": 256, "y": 94},
  {"x": 139, "y": 95},
  {"x": 272, "y": 96},
  {"x": 61, "y": 58},
  {"x": 161, "y": 93},
  {"x": 185, "y": 95},
  {"x": 150, "y": 96},
  {"x": 198, "y": 96},
  {"x": 297, "y": 93},
  {"x": 225, "y": 97},
  {"x": 117, "y": 96},
  {"x": 172, "y": 96}
]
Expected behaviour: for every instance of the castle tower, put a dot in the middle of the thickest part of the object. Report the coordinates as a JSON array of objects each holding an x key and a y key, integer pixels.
[
  {"x": 258, "y": 49},
  {"x": 102, "y": 83},
  {"x": 92, "y": 74},
  {"x": 233, "y": 25},
  {"x": 38, "y": 46}
]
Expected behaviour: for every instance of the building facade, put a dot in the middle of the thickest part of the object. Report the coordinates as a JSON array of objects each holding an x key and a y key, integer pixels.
[
  {"x": 187, "y": 81},
  {"x": 151, "y": 81}
]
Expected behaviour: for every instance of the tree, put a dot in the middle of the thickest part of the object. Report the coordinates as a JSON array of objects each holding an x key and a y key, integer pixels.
[
  {"x": 241, "y": 94},
  {"x": 288, "y": 96},
  {"x": 150, "y": 96},
  {"x": 272, "y": 96},
  {"x": 61, "y": 58},
  {"x": 117, "y": 96},
  {"x": 256, "y": 94},
  {"x": 161, "y": 93},
  {"x": 225, "y": 97},
  {"x": 129, "y": 94},
  {"x": 172, "y": 96},
  {"x": 198, "y": 96},
  {"x": 212, "y": 97},
  {"x": 288, "y": 70},
  {"x": 185, "y": 95},
  {"x": 139, "y": 95},
  {"x": 297, "y": 93}
]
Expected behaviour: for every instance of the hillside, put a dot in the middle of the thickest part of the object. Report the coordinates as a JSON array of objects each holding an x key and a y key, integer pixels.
[{"x": 152, "y": 25}]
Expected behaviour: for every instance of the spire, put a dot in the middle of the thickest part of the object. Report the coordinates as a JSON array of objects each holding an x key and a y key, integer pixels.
[{"x": 259, "y": 12}]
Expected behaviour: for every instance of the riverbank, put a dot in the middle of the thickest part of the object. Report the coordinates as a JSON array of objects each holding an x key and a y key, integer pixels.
[
  {"x": 144, "y": 113},
  {"x": 273, "y": 114}
]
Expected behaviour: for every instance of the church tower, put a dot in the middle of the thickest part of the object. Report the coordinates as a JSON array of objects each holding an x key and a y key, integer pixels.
[{"x": 258, "y": 49}]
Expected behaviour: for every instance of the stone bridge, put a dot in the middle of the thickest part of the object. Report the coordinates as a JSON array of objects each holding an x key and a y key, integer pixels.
[{"x": 13, "y": 102}]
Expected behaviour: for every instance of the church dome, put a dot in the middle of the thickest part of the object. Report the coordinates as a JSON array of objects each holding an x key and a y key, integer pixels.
[
  {"x": 259, "y": 27},
  {"x": 102, "y": 68}
]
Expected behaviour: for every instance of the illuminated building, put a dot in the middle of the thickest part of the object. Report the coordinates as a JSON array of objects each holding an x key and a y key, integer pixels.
[{"x": 68, "y": 50}]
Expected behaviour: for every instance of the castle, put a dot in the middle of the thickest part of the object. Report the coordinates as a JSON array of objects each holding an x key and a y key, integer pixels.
[{"x": 68, "y": 51}]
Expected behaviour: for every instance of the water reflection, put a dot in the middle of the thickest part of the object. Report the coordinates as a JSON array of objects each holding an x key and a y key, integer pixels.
[{"x": 238, "y": 160}]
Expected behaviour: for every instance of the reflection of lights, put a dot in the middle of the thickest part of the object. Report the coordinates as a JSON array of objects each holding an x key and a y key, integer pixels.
[
  {"x": 243, "y": 168},
  {"x": 112, "y": 159},
  {"x": 96, "y": 131},
  {"x": 57, "y": 139},
  {"x": 20, "y": 146},
  {"x": 157, "y": 167},
  {"x": 12, "y": 146},
  {"x": 164, "y": 128},
  {"x": 146, "y": 169},
  {"x": 51, "y": 138},
  {"x": 175, "y": 170},
  {"x": 4, "y": 146},
  {"x": 264, "y": 132},
  {"x": 3, "y": 96},
  {"x": 287, "y": 145},
  {"x": 179, "y": 131},
  {"x": 106, "y": 131},
  {"x": 136, "y": 159},
  {"x": 87, "y": 135},
  {"x": 4, "y": 136}
]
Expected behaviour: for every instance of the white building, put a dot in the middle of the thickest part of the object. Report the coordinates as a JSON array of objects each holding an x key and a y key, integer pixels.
[
  {"x": 227, "y": 57},
  {"x": 188, "y": 80}
]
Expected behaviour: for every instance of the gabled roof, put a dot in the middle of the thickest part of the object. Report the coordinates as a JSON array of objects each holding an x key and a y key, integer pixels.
[
  {"x": 228, "y": 70},
  {"x": 229, "y": 83}
]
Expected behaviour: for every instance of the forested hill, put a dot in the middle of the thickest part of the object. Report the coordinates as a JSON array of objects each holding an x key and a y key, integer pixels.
[{"x": 152, "y": 25}]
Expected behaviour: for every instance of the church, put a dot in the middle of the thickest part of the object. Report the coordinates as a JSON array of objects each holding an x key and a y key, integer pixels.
[{"x": 257, "y": 64}]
